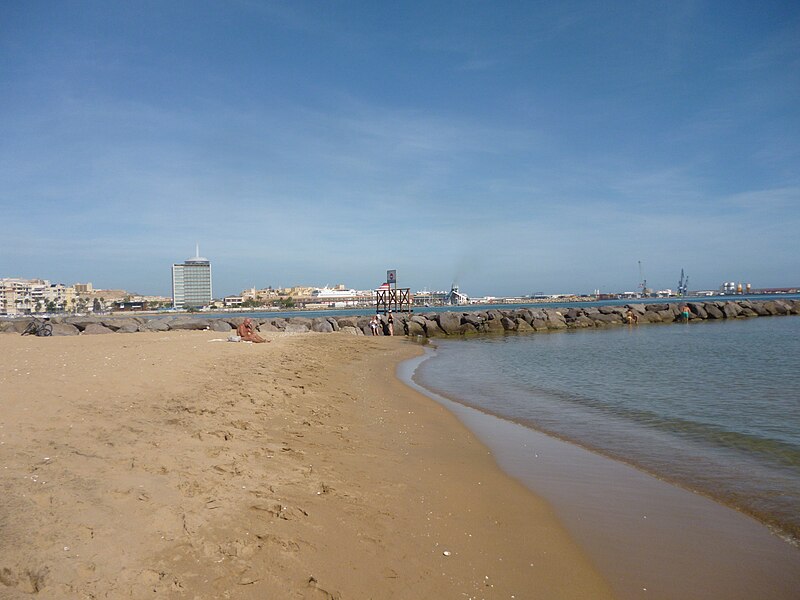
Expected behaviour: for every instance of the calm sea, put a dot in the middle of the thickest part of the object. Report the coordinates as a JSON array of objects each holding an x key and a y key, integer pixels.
[{"x": 712, "y": 406}]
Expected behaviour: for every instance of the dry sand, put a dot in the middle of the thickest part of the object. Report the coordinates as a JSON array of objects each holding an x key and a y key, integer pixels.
[{"x": 169, "y": 465}]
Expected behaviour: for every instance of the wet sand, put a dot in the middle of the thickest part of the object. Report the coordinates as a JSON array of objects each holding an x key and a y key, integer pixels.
[
  {"x": 171, "y": 465},
  {"x": 649, "y": 538}
]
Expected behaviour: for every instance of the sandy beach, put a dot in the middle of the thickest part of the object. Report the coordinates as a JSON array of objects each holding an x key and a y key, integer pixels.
[{"x": 177, "y": 465}]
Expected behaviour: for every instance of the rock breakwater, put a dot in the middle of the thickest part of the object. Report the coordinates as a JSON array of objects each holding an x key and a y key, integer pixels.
[{"x": 432, "y": 324}]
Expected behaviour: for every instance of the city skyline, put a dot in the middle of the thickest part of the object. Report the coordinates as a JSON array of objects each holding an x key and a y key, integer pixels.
[{"x": 510, "y": 149}]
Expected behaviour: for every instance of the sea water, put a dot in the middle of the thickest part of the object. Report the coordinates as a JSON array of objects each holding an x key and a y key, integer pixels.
[{"x": 712, "y": 406}]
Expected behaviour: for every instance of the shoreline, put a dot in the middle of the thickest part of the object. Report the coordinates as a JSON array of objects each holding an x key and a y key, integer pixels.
[
  {"x": 164, "y": 463},
  {"x": 646, "y": 534},
  {"x": 492, "y": 321}
]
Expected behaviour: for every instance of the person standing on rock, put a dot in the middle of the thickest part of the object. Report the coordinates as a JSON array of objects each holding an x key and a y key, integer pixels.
[
  {"x": 390, "y": 322},
  {"x": 631, "y": 317},
  {"x": 685, "y": 312},
  {"x": 247, "y": 332},
  {"x": 374, "y": 325}
]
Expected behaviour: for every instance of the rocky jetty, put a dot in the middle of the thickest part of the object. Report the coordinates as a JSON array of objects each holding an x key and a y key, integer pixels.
[{"x": 431, "y": 324}]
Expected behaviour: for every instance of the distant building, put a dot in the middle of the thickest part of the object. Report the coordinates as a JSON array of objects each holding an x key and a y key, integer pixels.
[
  {"x": 26, "y": 296},
  {"x": 191, "y": 282}
]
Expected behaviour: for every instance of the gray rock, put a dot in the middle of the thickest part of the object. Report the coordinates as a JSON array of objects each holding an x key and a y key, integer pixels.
[
  {"x": 321, "y": 326},
  {"x": 267, "y": 327},
  {"x": 713, "y": 311},
  {"x": 581, "y": 322},
  {"x": 220, "y": 325},
  {"x": 16, "y": 326},
  {"x": 449, "y": 322},
  {"x": 347, "y": 321},
  {"x": 96, "y": 329},
  {"x": 432, "y": 328},
  {"x": 82, "y": 322},
  {"x": 474, "y": 320},
  {"x": 129, "y": 328},
  {"x": 350, "y": 330},
  {"x": 509, "y": 324},
  {"x": 156, "y": 325},
  {"x": 539, "y": 325},
  {"x": 189, "y": 324},
  {"x": 607, "y": 319},
  {"x": 523, "y": 326},
  {"x": 65, "y": 329},
  {"x": 652, "y": 316},
  {"x": 759, "y": 309},
  {"x": 278, "y": 323},
  {"x": 782, "y": 307},
  {"x": 468, "y": 329},
  {"x": 300, "y": 321},
  {"x": 296, "y": 328},
  {"x": 494, "y": 325},
  {"x": 698, "y": 309},
  {"x": 415, "y": 327},
  {"x": 731, "y": 310}
]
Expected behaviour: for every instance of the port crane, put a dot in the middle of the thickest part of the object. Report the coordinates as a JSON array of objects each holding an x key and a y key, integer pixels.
[
  {"x": 643, "y": 284},
  {"x": 683, "y": 284}
]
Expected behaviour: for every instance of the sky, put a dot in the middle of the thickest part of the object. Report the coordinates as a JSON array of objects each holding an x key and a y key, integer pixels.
[{"x": 508, "y": 147}]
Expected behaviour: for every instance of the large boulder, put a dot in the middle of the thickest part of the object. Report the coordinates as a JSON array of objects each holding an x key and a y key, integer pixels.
[
  {"x": 321, "y": 326},
  {"x": 539, "y": 325},
  {"x": 581, "y": 322},
  {"x": 415, "y": 328},
  {"x": 759, "y": 309},
  {"x": 278, "y": 323},
  {"x": 432, "y": 328},
  {"x": 347, "y": 321},
  {"x": 468, "y": 329},
  {"x": 636, "y": 307},
  {"x": 96, "y": 329},
  {"x": 220, "y": 325},
  {"x": 82, "y": 322},
  {"x": 267, "y": 327},
  {"x": 493, "y": 325},
  {"x": 350, "y": 330},
  {"x": 555, "y": 319},
  {"x": 15, "y": 326},
  {"x": 698, "y": 309},
  {"x": 155, "y": 325},
  {"x": 131, "y": 327},
  {"x": 64, "y": 329},
  {"x": 525, "y": 315},
  {"x": 607, "y": 319},
  {"x": 523, "y": 326},
  {"x": 782, "y": 307},
  {"x": 449, "y": 322},
  {"x": 713, "y": 311},
  {"x": 189, "y": 324},
  {"x": 474, "y": 320},
  {"x": 652, "y": 316},
  {"x": 509, "y": 324},
  {"x": 292, "y": 327},
  {"x": 731, "y": 310}
]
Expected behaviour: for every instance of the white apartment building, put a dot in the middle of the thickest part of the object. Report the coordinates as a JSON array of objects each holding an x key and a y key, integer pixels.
[
  {"x": 191, "y": 282},
  {"x": 26, "y": 296}
]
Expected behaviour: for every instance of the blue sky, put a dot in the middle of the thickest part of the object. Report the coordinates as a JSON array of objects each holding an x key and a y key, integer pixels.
[{"x": 511, "y": 147}]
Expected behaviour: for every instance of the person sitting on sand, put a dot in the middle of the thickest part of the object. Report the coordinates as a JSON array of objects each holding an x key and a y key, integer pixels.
[
  {"x": 374, "y": 324},
  {"x": 247, "y": 332}
]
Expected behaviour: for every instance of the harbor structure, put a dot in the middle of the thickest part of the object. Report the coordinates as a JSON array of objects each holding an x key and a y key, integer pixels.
[{"x": 191, "y": 282}]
